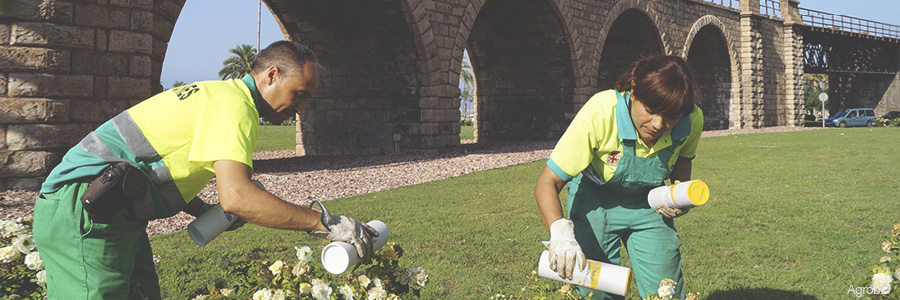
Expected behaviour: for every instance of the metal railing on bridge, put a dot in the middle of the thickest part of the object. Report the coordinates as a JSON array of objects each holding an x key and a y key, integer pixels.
[
  {"x": 736, "y": 4},
  {"x": 848, "y": 24}
]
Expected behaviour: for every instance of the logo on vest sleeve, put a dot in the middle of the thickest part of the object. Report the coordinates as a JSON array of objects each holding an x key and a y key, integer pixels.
[{"x": 613, "y": 158}]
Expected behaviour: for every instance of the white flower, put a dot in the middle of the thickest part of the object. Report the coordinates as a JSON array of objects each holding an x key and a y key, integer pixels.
[
  {"x": 24, "y": 243},
  {"x": 263, "y": 294},
  {"x": 304, "y": 254},
  {"x": 279, "y": 295},
  {"x": 4, "y": 224},
  {"x": 377, "y": 293},
  {"x": 321, "y": 291},
  {"x": 418, "y": 273},
  {"x": 300, "y": 269},
  {"x": 881, "y": 283},
  {"x": 402, "y": 274},
  {"x": 376, "y": 282},
  {"x": 666, "y": 292},
  {"x": 200, "y": 297},
  {"x": 228, "y": 293},
  {"x": 897, "y": 274},
  {"x": 276, "y": 267},
  {"x": 347, "y": 292},
  {"x": 33, "y": 261},
  {"x": 364, "y": 281},
  {"x": 41, "y": 277},
  {"x": 305, "y": 288},
  {"x": 8, "y": 254},
  {"x": 156, "y": 261},
  {"x": 13, "y": 229}
]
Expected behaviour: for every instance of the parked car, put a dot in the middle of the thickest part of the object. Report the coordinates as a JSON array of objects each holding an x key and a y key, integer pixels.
[
  {"x": 852, "y": 117},
  {"x": 891, "y": 115}
]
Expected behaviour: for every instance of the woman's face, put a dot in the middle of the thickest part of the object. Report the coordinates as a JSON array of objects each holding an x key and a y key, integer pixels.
[{"x": 650, "y": 124}]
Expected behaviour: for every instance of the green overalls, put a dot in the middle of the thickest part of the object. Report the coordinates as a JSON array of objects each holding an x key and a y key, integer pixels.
[
  {"x": 115, "y": 260},
  {"x": 606, "y": 212}
]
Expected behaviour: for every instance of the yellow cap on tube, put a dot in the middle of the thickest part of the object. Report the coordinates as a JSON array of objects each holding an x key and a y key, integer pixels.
[{"x": 698, "y": 192}]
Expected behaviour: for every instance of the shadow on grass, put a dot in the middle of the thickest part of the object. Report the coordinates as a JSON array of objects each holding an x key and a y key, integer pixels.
[
  {"x": 312, "y": 163},
  {"x": 757, "y": 294}
]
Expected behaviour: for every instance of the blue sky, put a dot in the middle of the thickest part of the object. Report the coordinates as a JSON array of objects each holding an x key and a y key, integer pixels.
[{"x": 201, "y": 38}]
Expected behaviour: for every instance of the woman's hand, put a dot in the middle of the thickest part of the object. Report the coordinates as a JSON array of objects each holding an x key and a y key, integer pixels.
[{"x": 564, "y": 249}]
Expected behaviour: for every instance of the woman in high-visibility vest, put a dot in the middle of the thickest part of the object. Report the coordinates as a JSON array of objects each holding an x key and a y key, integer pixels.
[{"x": 621, "y": 144}]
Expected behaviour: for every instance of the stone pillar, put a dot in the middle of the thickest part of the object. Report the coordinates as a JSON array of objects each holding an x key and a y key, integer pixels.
[
  {"x": 793, "y": 97},
  {"x": 66, "y": 67},
  {"x": 747, "y": 113}
]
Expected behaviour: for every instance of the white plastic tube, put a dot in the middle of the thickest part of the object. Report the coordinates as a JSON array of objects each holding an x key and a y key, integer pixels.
[
  {"x": 680, "y": 195},
  {"x": 210, "y": 225},
  {"x": 213, "y": 222},
  {"x": 597, "y": 275},
  {"x": 337, "y": 257}
]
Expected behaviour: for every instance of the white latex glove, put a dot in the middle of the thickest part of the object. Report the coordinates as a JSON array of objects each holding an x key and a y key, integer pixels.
[
  {"x": 672, "y": 212},
  {"x": 348, "y": 230},
  {"x": 564, "y": 250}
]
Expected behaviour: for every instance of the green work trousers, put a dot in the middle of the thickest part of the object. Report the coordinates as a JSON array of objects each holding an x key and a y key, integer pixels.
[
  {"x": 603, "y": 222},
  {"x": 87, "y": 260}
]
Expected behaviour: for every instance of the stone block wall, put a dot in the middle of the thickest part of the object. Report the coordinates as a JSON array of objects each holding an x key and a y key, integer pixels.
[{"x": 66, "y": 67}]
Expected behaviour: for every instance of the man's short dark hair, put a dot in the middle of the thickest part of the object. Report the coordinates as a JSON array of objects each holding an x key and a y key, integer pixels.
[{"x": 288, "y": 56}]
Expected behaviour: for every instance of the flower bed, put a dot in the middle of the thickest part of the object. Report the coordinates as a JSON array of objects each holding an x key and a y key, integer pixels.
[
  {"x": 21, "y": 268},
  {"x": 883, "y": 279},
  {"x": 302, "y": 278}
]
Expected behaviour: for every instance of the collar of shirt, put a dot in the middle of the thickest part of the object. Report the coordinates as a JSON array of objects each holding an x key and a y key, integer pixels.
[{"x": 251, "y": 84}]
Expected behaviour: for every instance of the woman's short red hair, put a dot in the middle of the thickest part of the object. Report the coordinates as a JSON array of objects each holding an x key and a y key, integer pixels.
[{"x": 665, "y": 84}]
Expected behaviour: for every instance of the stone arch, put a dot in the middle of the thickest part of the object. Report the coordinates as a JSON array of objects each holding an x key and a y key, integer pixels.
[
  {"x": 563, "y": 12},
  {"x": 629, "y": 32},
  {"x": 720, "y": 88},
  {"x": 370, "y": 85},
  {"x": 524, "y": 68}
]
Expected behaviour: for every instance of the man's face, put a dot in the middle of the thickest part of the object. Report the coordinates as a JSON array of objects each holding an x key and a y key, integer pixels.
[{"x": 287, "y": 95}]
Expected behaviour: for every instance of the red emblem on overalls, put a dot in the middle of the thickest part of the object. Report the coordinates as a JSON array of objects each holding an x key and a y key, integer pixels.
[{"x": 613, "y": 159}]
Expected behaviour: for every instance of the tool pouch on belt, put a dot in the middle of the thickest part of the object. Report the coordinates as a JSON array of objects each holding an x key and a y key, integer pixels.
[{"x": 117, "y": 186}]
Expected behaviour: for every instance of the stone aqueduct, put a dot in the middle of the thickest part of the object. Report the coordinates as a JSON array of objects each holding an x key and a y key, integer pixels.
[{"x": 392, "y": 67}]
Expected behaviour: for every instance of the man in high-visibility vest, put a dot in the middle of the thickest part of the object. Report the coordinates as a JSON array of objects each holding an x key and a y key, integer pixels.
[{"x": 151, "y": 161}]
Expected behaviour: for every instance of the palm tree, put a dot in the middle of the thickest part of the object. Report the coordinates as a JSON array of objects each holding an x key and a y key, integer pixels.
[
  {"x": 238, "y": 64},
  {"x": 467, "y": 94}
]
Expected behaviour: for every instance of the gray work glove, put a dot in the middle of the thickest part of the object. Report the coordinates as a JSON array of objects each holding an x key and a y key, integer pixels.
[
  {"x": 348, "y": 230},
  {"x": 564, "y": 249},
  {"x": 672, "y": 212}
]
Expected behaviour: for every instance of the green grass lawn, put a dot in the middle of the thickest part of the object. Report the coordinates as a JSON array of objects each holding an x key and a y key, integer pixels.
[
  {"x": 796, "y": 215},
  {"x": 466, "y": 132},
  {"x": 272, "y": 137}
]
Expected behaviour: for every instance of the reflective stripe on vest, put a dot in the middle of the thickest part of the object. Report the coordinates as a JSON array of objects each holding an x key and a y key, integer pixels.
[{"x": 142, "y": 150}]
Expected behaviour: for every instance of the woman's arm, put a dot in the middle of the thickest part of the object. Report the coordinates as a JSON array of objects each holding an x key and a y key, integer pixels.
[
  {"x": 681, "y": 171},
  {"x": 546, "y": 192}
]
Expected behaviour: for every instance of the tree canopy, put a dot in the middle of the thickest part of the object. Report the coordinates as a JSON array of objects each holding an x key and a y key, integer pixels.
[{"x": 238, "y": 65}]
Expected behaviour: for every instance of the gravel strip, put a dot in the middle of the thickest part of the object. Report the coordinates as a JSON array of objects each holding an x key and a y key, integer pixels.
[{"x": 301, "y": 180}]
